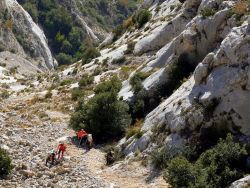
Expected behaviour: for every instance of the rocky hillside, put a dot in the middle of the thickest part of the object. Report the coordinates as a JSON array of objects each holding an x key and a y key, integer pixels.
[
  {"x": 41, "y": 31},
  {"x": 185, "y": 72}
]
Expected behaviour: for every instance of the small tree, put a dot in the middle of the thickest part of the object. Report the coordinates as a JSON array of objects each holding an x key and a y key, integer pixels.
[
  {"x": 142, "y": 17},
  {"x": 104, "y": 115}
]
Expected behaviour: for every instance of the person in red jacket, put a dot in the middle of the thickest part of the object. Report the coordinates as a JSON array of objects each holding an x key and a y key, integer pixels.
[
  {"x": 61, "y": 149},
  {"x": 81, "y": 135}
]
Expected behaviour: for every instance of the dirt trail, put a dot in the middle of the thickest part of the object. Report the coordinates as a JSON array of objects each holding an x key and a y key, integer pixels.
[
  {"x": 37, "y": 128},
  {"x": 122, "y": 174}
]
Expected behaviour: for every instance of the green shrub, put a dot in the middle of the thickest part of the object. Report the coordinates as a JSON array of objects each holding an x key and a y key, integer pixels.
[
  {"x": 4, "y": 94},
  {"x": 114, "y": 86},
  {"x": 216, "y": 167},
  {"x": 64, "y": 59},
  {"x": 66, "y": 82},
  {"x": 5, "y": 163},
  {"x": 142, "y": 17},
  {"x": 89, "y": 54},
  {"x": 76, "y": 93},
  {"x": 119, "y": 60},
  {"x": 86, "y": 80},
  {"x": 118, "y": 31},
  {"x": 207, "y": 12},
  {"x": 136, "y": 80},
  {"x": 161, "y": 157},
  {"x": 103, "y": 115},
  {"x": 158, "y": 8},
  {"x": 135, "y": 130},
  {"x": 130, "y": 47},
  {"x": 97, "y": 71},
  {"x": 180, "y": 173}
]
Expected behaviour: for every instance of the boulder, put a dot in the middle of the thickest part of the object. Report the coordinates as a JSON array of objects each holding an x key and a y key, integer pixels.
[{"x": 242, "y": 183}]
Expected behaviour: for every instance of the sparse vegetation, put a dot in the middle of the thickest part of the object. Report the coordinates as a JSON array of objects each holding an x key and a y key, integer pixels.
[
  {"x": 89, "y": 54},
  {"x": 119, "y": 60},
  {"x": 66, "y": 82},
  {"x": 86, "y": 80},
  {"x": 48, "y": 95},
  {"x": 4, "y": 94},
  {"x": 135, "y": 130},
  {"x": 138, "y": 20},
  {"x": 207, "y": 12},
  {"x": 66, "y": 38},
  {"x": 142, "y": 17},
  {"x": 76, "y": 94},
  {"x": 130, "y": 47}
]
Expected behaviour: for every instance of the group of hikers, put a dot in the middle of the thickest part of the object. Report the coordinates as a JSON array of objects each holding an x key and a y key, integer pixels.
[{"x": 82, "y": 137}]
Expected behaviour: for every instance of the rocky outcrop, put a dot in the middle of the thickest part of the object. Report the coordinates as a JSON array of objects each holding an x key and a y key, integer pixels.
[
  {"x": 31, "y": 37},
  {"x": 242, "y": 183},
  {"x": 171, "y": 28},
  {"x": 217, "y": 95}
]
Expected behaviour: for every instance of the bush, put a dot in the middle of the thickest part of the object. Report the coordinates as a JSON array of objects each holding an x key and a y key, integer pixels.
[
  {"x": 130, "y": 47},
  {"x": 4, "y": 94},
  {"x": 86, "y": 80},
  {"x": 64, "y": 59},
  {"x": 136, "y": 80},
  {"x": 216, "y": 167},
  {"x": 5, "y": 163},
  {"x": 76, "y": 93},
  {"x": 142, "y": 17},
  {"x": 114, "y": 86},
  {"x": 119, "y": 60},
  {"x": 180, "y": 172},
  {"x": 89, "y": 54},
  {"x": 65, "y": 82},
  {"x": 160, "y": 158},
  {"x": 103, "y": 115},
  {"x": 207, "y": 12},
  {"x": 135, "y": 130},
  {"x": 97, "y": 71}
]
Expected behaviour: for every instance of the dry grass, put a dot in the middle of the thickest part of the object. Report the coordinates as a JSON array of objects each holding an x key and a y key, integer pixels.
[{"x": 241, "y": 7}]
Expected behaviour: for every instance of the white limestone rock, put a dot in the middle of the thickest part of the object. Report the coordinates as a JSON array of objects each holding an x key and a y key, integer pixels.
[{"x": 242, "y": 183}]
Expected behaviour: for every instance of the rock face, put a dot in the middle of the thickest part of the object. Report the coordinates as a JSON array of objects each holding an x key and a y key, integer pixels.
[
  {"x": 33, "y": 38},
  {"x": 242, "y": 183},
  {"x": 217, "y": 94}
]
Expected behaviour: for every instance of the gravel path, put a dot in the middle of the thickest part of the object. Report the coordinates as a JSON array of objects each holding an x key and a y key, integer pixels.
[{"x": 29, "y": 130}]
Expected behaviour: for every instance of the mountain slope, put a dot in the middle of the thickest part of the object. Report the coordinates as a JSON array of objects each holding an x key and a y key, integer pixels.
[{"x": 185, "y": 74}]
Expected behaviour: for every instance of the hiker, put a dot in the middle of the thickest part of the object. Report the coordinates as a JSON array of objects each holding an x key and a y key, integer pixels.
[
  {"x": 82, "y": 136},
  {"x": 51, "y": 157},
  {"x": 110, "y": 157},
  {"x": 61, "y": 149},
  {"x": 89, "y": 141}
]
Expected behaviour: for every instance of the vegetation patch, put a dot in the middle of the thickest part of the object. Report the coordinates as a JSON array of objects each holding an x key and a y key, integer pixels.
[
  {"x": 216, "y": 167},
  {"x": 119, "y": 60},
  {"x": 5, "y": 163},
  {"x": 86, "y": 80},
  {"x": 207, "y": 12},
  {"x": 135, "y": 130},
  {"x": 104, "y": 115}
]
